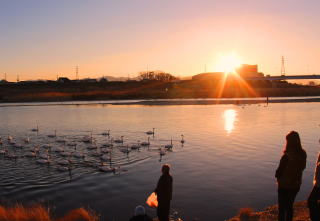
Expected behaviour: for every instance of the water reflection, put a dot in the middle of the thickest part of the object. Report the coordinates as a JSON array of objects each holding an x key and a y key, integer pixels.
[{"x": 230, "y": 118}]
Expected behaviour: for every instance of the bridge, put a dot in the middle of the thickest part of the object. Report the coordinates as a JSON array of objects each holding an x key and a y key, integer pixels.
[{"x": 283, "y": 77}]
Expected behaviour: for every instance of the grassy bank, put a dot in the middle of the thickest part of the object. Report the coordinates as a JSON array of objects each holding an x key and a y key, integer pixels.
[
  {"x": 40, "y": 213},
  {"x": 301, "y": 213}
]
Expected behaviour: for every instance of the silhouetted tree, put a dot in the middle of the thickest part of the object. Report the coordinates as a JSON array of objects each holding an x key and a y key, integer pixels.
[{"x": 156, "y": 76}]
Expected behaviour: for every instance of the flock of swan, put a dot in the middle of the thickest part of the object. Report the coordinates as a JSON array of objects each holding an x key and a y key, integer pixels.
[{"x": 66, "y": 152}]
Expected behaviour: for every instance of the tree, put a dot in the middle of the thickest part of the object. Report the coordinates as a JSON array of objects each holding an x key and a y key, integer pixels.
[{"x": 156, "y": 76}]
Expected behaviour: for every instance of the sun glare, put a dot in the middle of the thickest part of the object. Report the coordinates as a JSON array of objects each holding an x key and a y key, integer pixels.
[
  {"x": 229, "y": 63},
  {"x": 230, "y": 118}
]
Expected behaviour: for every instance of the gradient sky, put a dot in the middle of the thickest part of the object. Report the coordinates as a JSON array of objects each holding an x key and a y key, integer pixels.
[{"x": 40, "y": 39}]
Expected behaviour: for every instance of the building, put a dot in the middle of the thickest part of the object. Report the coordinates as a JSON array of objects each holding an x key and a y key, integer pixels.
[{"x": 248, "y": 71}]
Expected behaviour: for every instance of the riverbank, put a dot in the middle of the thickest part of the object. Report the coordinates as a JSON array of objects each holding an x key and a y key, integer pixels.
[
  {"x": 301, "y": 213},
  {"x": 163, "y": 102}
]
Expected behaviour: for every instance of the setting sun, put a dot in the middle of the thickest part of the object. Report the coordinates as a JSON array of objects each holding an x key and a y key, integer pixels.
[{"x": 228, "y": 63}]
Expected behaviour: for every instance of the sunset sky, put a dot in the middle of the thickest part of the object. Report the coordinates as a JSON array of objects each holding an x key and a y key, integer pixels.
[{"x": 40, "y": 39}]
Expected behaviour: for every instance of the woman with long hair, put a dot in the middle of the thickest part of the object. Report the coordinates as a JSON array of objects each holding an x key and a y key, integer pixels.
[{"x": 289, "y": 175}]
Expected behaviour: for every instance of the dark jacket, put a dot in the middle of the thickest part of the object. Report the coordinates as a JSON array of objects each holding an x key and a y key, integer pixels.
[
  {"x": 164, "y": 188},
  {"x": 140, "y": 218},
  {"x": 289, "y": 172}
]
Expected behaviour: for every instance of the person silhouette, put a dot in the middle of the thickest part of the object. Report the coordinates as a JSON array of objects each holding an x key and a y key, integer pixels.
[
  {"x": 289, "y": 175},
  {"x": 313, "y": 204},
  {"x": 140, "y": 214},
  {"x": 164, "y": 193}
]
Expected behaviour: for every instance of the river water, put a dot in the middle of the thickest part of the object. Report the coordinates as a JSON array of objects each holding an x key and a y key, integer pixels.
[{"x": 227, "y": 162}]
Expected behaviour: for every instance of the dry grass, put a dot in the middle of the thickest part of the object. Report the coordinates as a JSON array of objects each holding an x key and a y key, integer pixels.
[
  {"x": 301, "y": 213},
  {"x": 40, "y": 213}
]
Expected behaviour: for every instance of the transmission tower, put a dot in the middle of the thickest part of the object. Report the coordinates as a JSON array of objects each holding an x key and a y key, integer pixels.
[
  {"x": 77, "y": 72},
  {"x": 283, "y": 69}
]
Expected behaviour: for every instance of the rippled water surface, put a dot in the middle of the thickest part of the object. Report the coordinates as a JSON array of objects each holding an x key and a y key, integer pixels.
[{"x": 227, "y": 162}]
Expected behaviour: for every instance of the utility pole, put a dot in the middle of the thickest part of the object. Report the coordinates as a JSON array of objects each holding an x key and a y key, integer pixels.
[
  {"x": 5, "y": 76},
  {"x": 283, "y": 70}
]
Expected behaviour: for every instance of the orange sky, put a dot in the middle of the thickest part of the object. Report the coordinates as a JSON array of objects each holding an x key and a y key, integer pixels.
[{"x": 42, "y": 39}]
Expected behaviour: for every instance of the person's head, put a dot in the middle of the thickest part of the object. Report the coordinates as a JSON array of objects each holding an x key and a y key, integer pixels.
[
  {"x": 139, "y": 211},
  {"x": 293, "y": 142},
  {"x": 165, "y": 169}
]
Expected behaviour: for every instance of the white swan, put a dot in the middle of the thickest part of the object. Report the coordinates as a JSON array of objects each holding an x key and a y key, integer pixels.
[
  {"x": 35, "y": 129},
  {"x": 106, "y": 133},
  {"x": 182, "y": 139},
  {"x": 146, "y": 143},
  {"x": 119, "y": 140},
  {"x": 53, "y": 135},
  {"x": 27, "y": 140},
  {"x": 169, "y": 146},
  {"x": 150, "y": 132},
  {"x": 135, "y": 146}
]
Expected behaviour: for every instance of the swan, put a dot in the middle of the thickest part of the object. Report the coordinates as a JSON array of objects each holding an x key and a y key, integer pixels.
[
  {"x": 96, "y": 154},
  {"x": 79, "y": 155},
  {"x": 146, "y": 143},
  {"x": 106, "y": 158},
  {"x": 27, "y": 140},
  {"x": 106, "y": 133},
  {"x": 106, "y": 169},
  {"x": 87, "y": 139},
  {"x": 35, "y": 129},
  {"x": 92, "y": 147},
  {"x": 162, "y": 152},
  {"x": 105, "y": 151},
  {"x": 18, "y": 145},
  {"x": 169, "y": 146},
  {"x": 12, "y": 156},
  {"x": 64, "y": 168},
  {"x": 4, "y": 151},
  {"x": 53, "y": 135},
  {"x": 44, "y": 161},
  {"x": 182, "y": 139},
  {"x": 30, "y": 154},
  {"x": 135, "y": 146},
  {"x": 58, "y": 149},
  {"x": 61, "y": 141},
  {"x": 65, "y": 154},
  {"x": 150, "y": 132},
  {"x": 119, "y": 140},
  {"x": 125, "y": 150},
  {"x": 44, "y": 155}
]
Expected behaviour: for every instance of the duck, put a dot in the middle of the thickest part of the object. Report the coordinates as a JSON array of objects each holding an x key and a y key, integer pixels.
[
  {"x": 30, "y": 154},
  {"x": 150, "y": 132},
  {"x": 58, "y": 149}
]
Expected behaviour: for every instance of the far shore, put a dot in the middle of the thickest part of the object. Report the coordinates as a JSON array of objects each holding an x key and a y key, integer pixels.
[{"x": 168, "y": 102}]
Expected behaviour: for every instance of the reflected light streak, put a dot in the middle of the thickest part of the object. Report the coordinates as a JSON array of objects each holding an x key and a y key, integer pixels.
[{"x": 230, "y": 118}]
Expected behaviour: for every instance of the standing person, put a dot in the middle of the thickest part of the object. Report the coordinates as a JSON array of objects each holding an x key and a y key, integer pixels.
[
  {"x": 289, "y": 175},
  {"x": 313, "y": 204},
  {"x": 164, "y": 193}
]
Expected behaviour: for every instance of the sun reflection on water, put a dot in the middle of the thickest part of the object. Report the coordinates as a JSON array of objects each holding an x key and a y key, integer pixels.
[{"x": 230, "y": 116}]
